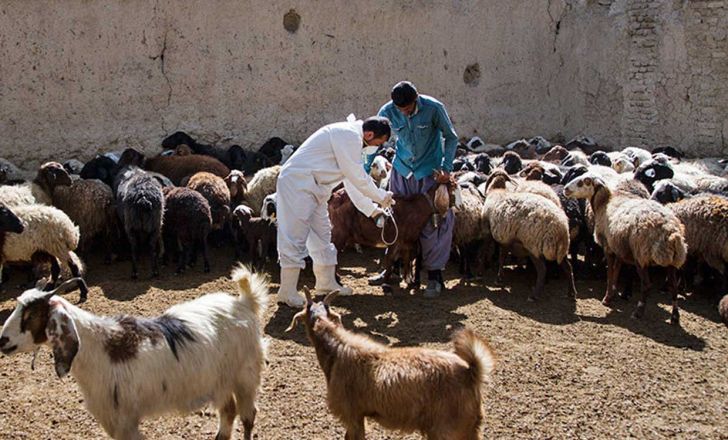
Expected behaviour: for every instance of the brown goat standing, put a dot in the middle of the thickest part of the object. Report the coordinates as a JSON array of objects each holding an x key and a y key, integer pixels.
[
  {"x": 411, "y": 214},
  {"x": 407, "y": 389}
]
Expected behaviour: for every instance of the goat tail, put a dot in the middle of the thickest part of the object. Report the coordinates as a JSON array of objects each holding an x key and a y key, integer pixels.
[
  {"x": 253, "y": 288},
  {"x": 476, "y": 352}
]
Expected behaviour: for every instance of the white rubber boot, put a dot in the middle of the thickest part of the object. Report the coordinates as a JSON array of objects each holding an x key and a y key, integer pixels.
[
  {"x": 326, "y": 281},
  {"x": 288, "y": 292}
]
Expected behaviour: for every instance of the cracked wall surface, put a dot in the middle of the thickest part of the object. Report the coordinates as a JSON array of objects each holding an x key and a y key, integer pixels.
[{"x": 84, "y": 77}]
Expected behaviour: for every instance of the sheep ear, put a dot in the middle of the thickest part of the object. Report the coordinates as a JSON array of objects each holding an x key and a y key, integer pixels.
[{"x": 63, "y": 338}]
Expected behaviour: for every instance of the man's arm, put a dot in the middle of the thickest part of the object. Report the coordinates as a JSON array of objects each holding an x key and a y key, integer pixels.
[
  {"x": 347, "y": 148},
  {"x": 451, "y": 138},
  {"x": 361, "y": 202}
]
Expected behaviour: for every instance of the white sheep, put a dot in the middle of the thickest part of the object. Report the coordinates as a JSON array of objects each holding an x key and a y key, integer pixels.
[
  {"x": 40, "y": 190},
  {"x": 638, "y": 155},
  {"x": 262, "y": 184},
  {"x": 468, "y": 231},
  {"x": 47, "y": 231},
  {"x": 526, "y": 225},
  {"x": 209, "y": 350},
  {"x": 635, "y": 231}
]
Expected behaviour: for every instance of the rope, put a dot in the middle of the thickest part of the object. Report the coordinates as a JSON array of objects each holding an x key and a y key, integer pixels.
[{"x": 388, "y": 213}]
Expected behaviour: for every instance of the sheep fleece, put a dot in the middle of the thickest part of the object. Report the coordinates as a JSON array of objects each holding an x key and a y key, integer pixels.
[
  {"x": 705, "y": 219},
  {"x": 641, "y": 231},
  {"x": 46, "y": 229},
  {"x": 539, "y": 226}
]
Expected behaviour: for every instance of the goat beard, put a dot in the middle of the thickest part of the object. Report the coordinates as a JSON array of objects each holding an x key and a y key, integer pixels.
[{"x": 442, "y": 199}]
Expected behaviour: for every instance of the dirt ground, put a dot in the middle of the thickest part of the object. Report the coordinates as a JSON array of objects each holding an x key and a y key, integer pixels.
[{"x": 567, "y": 369}]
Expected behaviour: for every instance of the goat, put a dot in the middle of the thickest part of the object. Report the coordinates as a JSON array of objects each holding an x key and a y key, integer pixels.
[
  {"x": 209, "y": 350},
  {"x": 407, "y": 389},
  {"x": 410, "y": 214}
]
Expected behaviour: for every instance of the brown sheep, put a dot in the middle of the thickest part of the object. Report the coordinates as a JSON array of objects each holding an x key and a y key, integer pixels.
[
  {"x": 437, "y": 393},
  {"x": 723, "y": 310},
  {"x": 217, "y": 193},
  {"x": 174, "y": 167}
]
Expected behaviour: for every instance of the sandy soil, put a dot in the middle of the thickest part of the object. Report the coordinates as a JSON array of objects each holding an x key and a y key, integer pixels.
[{"x": 567, "y": 369}]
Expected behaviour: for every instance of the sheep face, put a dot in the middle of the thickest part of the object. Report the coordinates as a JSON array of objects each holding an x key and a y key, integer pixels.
[
  {"x": 39, "y": 318},
  {"x": 512, "y": 162},
  {"x": 236, "y": 183},
  {"x": 582, "y": 187},
  {"x": 268, "y": 210},
  {"x": 53, "y": 174},
  {"x": 622, "y": 165},
  {"x": 9, "y": 222}
]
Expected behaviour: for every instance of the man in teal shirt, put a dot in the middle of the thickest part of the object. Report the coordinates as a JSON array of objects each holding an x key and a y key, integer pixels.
[{"x": 421, "y": 123}]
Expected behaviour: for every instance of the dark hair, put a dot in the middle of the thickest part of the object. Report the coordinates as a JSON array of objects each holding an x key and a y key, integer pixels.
[
  {"x": 404, "y": 93},
  {"x": 379, "y": 125}
]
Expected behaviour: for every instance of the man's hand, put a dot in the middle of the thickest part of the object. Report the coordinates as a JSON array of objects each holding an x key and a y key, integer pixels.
[
  {"x": 376, "y": 213},
  {"x": 441, "y": 176},
  {"x": 388, "y": 200}
]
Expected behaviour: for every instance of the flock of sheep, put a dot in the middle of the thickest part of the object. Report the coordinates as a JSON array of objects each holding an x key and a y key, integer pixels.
[{"x": 656, "y": 214}]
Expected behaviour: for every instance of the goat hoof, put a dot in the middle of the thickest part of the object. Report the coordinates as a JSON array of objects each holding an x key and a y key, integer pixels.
[
  {"x": 675, "y": 318},
  {"x": 206, "y": 269},
  {"x": 387, "y": 290}
]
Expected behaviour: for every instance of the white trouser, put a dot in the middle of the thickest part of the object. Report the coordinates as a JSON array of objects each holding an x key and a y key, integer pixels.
[{"x": 304, "y": 227}]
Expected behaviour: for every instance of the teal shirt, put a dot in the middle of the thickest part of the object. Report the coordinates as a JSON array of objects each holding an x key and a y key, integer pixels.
[{"x": 419, "y": 148}]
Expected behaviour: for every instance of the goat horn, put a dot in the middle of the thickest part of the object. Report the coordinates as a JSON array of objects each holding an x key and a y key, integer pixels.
[
  {"x": 330, "y": 297},
  {"x": 69, "y": 286},
  {"x": 308, "y": 294},
  {"x": 296, "y": 319}
]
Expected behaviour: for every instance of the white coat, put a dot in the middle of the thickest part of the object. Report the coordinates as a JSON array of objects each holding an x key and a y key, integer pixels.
[{"x": 330, "y": 156}]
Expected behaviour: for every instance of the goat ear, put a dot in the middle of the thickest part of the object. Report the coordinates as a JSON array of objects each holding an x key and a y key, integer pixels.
[
  {"x": 63, "y": 338},
  {"x": 330, "y": 297},
  {"x": 296, "y": 319}
]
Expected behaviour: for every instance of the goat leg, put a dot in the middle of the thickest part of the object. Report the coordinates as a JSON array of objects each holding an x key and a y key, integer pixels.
[
  {"x": 355, "y": 430},
  {"x": 227, "y": 414}
]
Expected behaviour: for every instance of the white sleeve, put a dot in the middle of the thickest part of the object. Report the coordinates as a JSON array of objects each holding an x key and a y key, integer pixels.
[
  {"x": 363, "y": 203},
  {"x": 347, "y": 148}
]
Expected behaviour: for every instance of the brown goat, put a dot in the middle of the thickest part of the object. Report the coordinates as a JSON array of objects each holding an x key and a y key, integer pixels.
[
  {"x": 411, "y": 214},
  {"x": 407, "y": 389}
]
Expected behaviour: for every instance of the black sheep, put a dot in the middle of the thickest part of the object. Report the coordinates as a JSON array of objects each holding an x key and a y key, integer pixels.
[
  {"x": 600, "y": 158},
  {"x": 140, "y": 205}
]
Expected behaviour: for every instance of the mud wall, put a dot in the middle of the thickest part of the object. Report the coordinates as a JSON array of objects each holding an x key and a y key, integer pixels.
[{"x": 89, "y": 76}]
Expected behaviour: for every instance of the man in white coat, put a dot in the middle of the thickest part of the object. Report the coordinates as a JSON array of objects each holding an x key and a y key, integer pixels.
[{"x": 331, "y": 155}]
